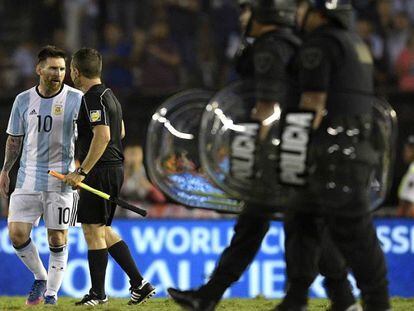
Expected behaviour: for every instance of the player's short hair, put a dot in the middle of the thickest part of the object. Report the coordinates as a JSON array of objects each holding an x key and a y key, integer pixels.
[
  {"x": 50, "y": 51},
  {"x": 89, "y": 62}
]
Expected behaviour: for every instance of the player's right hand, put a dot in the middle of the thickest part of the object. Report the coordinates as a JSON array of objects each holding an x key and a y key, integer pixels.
[{"x": 4, "y": 184}]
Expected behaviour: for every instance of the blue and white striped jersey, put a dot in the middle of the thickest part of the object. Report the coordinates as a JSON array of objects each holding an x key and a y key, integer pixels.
[{"x": 49, "y": 129}]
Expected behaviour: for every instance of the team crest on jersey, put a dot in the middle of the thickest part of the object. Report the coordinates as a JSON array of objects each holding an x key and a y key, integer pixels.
[
  {"x": 95, "y": 115},
  {"x": 57, "y": 110}
]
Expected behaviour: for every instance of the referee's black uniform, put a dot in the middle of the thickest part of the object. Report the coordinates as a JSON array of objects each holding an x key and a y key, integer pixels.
[{"x": 100, "y": 107}]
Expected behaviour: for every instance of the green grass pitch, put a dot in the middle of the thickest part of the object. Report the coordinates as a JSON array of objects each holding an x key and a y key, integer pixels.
[{"x": 158, "y": 304}]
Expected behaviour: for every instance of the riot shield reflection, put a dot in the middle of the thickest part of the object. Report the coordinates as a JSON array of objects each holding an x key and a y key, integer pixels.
[
  {"x": 342, "y": 167},
  {"x": 350, "y": 157},
  {"x": 172, "y": 155},
  {"x": 386, "y": 128},
  {"x": 238, "y": 150}
]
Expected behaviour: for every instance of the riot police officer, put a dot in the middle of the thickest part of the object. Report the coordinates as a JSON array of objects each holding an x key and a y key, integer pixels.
[
  {"x": 336, "y": 80},
  {"x": 268, "y": 61}
]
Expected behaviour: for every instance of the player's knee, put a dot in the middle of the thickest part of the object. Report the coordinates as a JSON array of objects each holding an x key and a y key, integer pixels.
[
  {"x": 18, "y": 237},
  {"x": 57, "y": 237},
  {"x": 19, "y": 233},
  {"x": 57, "y": 240}
]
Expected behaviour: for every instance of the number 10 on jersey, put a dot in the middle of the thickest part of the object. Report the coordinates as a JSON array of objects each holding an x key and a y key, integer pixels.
[{"x": 45, "y": 124}]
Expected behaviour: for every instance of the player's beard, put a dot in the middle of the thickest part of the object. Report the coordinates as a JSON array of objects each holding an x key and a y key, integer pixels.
[{"x": 53, "y": 86}]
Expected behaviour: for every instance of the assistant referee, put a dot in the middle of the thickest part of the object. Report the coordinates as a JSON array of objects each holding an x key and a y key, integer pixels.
[{"x": 101, "y": 130}]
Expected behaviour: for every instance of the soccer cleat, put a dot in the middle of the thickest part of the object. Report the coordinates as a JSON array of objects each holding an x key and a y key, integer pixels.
[
  {"x": 141, "y": 293},
  {"x": 36, "y": 292},
  {"x": 192, "y": 301},
  {"x": 92, "y": 300},
  {"x": 50, "y": 300}
]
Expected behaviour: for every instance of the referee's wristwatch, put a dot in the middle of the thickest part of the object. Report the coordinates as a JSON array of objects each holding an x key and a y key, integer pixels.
[{"x": 81, "y": 172}]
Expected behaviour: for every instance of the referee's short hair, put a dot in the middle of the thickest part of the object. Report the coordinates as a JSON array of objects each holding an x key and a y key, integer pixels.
[
  {"x": 89, "y": 62},
  {"x": 50, "y": 51}
]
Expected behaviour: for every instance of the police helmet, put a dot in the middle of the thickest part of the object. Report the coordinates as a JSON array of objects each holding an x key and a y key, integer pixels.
[
  {"x": 279, "y": 12},
  {"x": 337, "y": 10}
]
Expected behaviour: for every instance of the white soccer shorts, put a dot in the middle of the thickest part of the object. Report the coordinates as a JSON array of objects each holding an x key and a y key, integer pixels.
[{"x": 59, "y": 209}]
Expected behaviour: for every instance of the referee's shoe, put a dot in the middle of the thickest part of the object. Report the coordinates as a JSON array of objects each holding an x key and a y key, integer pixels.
[
  {"x": 141, "y": 293},
  {"x": 92, "y": 299},
  {"x": 191, "y": 300}
]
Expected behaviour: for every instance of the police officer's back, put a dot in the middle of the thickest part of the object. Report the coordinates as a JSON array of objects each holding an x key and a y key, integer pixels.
[
  {"x": 335, "y": 71},
  {"x": 335, "y": 74}
]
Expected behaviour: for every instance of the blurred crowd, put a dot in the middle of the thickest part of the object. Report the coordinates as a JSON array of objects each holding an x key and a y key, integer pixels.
[
  {"x": 150, "y": 47},
  {"x": 156, "y": 47}
]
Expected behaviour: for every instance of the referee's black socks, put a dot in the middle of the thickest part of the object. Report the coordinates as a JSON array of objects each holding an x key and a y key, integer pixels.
[
  {"x": 98, "y": 260},
  {"x": 120, "y": 252}
]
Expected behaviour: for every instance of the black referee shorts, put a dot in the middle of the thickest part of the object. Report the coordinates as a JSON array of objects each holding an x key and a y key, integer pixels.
[{"x": 93, "y": 209}]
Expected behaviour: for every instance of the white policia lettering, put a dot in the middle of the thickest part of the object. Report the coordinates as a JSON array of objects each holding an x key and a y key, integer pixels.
[
  {"x": 295, "y": 138},
  {"x": 243, "y": 148}
]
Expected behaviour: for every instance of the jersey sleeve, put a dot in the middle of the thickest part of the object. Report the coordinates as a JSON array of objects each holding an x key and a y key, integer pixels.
[
  {"x": 316, "y": 60},
  {"x": 96, "y": 109},
  {"x": 16, "y": 120}
]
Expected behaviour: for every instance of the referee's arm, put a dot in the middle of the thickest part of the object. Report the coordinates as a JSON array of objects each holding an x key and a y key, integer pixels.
[{"x": 100, "y": 140}]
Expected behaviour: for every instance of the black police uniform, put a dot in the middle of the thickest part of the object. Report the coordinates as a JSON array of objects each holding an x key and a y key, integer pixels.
[
  {"x": 269, "y": 62},
  {"x": 100, "y": 107},
  {"x": 335, "y": 61}
]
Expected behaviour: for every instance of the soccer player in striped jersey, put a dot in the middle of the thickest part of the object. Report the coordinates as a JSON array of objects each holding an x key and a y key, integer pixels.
[{"x": 42, "y": 120}]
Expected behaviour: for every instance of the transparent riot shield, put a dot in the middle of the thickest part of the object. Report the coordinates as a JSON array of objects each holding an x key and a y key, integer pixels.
[
  {"x": 351, "y": 155},
  {"x": 238, "y": 145},
  {"x": 172, "y": 155},
  {"x": 343, "y": 166},
  {"x": 386, "y": 128}
]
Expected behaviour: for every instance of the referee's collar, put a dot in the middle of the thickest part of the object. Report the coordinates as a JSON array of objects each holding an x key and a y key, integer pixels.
[{"x": 96, "y": 87}]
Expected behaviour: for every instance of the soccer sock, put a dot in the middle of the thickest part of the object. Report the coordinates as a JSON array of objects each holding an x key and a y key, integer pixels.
[
  {"x": 29, "y": 255},
  {"x": 98, "y": 260},
  {"x": 122, "y": 255},
  {"x": 57, "y": 265}
]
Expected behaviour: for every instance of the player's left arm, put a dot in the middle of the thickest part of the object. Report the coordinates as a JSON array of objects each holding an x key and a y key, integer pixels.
[{"x": 100, "y": 140}]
